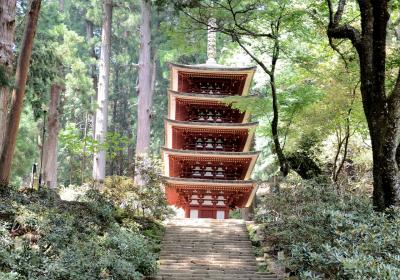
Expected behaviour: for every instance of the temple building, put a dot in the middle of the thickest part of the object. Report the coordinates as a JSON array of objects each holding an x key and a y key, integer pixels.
[{"x": 207, "y": 157}]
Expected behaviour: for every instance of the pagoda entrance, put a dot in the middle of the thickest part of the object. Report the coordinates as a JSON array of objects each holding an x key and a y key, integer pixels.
[
  {"x": 207, "y": 157},
  {"x": 206, "y": 204},
  {"x": 219, "y": 214}
]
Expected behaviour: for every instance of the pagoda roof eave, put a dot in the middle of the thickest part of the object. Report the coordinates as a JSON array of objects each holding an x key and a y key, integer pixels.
[
  {"x": 219, "y": 98},
  {"x": 210, "y": 124},
  {"x": 193, "y": 181},
  {"x": 212, "y": 67},
  {"x": 210, "y": 153},
  {"x": 190, "y": 183},
  {"x": 187, "y": 95}
]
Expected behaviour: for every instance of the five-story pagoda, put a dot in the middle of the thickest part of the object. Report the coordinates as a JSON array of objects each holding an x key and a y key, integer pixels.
[{"x": 207, "y": 157}]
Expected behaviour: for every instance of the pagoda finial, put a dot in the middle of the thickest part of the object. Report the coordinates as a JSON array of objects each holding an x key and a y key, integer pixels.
[{"x": 211, "y": 41}]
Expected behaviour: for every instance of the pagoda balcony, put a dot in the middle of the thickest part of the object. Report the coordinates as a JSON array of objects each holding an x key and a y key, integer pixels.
[
  {"x": 212, "y": 84},
  {"x": 210, "y": 142},
  {"x": 209, "y": 165},
  {"x": 213, "y": 171},
  {"x": 207, "y": 112},
  {"x": 209, "y": 137},
  {"x": 202, "y": 108},
  {"x": 189, "y": 191}
]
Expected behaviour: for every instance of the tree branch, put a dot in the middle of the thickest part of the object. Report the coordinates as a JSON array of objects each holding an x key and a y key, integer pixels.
[
  {"x": 337, "y": 31},
  {"x": 259, "y": 62},
  {"x": 238, "y": 28}
]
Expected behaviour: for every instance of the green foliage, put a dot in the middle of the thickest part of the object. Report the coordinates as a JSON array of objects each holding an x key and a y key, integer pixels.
[
  {"x": 43, "y": 237},
  {"x": 146, "y": 199},
  {"x": 304, "y": 160},
  {"x": 75, "y": 147},
  {"x": 27, "y": 151},
  {"x": 331, "y": 235}
]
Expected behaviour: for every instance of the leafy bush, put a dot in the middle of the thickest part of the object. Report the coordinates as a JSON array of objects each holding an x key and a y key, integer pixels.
[
  {"x": 327, "y": 235},
  {"x": 146, "y": 199},
  {"x": 43, "y": 237}
]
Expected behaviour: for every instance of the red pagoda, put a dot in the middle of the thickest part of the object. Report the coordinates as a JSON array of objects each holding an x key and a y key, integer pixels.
[{"x": 207, "y": 157}]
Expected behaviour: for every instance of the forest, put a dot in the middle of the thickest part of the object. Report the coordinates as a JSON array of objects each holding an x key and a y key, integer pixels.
[{"x": 82, "y": 105}]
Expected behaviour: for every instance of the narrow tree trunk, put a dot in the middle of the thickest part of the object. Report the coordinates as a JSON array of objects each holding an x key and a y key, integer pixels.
[
  {"x": 116, "y": 115},
  {"x": 93, "y": 73},
  {"x": 114, "y": 122},
  {"x": 99, "y": 162},
  {"x": 4, "y": 97},
  {"x": 19, "y": 92},
  {"x": 283, "y": 163},
  {"x": 61, "y": 5},
  {"x": 7, "y": 37},
  {"x": 50, "y": 156},
  {"x": 85, "y": 133},
  {"x": 345, "y": 141},
  {"x": 145, "y": 95}
]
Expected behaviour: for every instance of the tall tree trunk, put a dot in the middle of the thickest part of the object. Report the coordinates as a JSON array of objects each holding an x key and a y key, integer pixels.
[
  {"x": 145, "y": 95},
  {"x": 99, "y": 162},
  {"x": 382, "y": 110},
  {"x": 19, "y": 92},
  {"x": 93, "y": 72},
  {"x": 7, "y": 37},
  {"x": 53, "y": 123}
]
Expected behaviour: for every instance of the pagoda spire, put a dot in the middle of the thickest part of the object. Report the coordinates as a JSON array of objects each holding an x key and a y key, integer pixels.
[{"x": 211, "y": 41}]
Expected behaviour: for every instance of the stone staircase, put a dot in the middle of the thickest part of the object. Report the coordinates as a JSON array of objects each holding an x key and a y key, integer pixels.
[{"x": 208, "y": 249}]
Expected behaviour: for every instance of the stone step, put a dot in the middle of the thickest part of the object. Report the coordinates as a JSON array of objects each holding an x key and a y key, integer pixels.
[
  {"x": 198, "y": 240},
  {"x": 213, "y": 271},
  {"x": 203, "y": 261},
  {"x": 216, "y": 273},
  {"x": 208, "y": 249},
  {"x": 191, "y": 259},
  {"x": 214, "y": 277},
  {"x": 221, "y": 256},
  {"x": 182, "y": 244},
  {"x": 208, "y": 266}
]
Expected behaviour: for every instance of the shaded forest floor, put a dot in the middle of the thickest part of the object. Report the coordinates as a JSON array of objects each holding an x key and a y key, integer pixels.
[
  {"x": 44, "y": 237},
  {"x": 322, "y": 231}
]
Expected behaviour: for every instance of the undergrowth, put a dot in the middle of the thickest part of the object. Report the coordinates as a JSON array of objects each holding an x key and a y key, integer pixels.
[
  {"x": 44, "y": 237},
  {"x": 326, "y": 234}
]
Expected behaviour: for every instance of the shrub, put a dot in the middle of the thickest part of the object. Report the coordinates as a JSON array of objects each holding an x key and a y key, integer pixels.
[
  {"x": 327, "y": 235},
  {"x": 43, "y": 237},
  {"x": 146, "y": 199}
]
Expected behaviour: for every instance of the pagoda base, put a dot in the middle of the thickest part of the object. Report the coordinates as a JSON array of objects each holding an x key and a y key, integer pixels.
[
  {"x": 194, "y": 212},
  {"x": 201, "y": 198}
]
